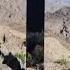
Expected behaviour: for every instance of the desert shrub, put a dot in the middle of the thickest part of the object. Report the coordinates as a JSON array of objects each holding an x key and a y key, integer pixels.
[
  {"x": 61, "y": 61},
  {"x": 29, "y": 57},
  {"x": 65, "y": 62},
  {"x": 29, "y": 60},
  {"x": 21, "y": 56}
]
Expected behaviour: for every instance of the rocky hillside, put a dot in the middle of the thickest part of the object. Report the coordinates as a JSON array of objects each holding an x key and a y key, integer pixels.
[
  {"x": 12, "y": 31},
  {"x": 12, "y": 14},
  {"x": 59, "y": 23},
  {"x": 57, "y": 39}
]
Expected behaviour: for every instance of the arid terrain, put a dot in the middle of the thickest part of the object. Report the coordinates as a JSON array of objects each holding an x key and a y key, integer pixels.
[
  {"x": 57, "y": 39},
  {"x": 12, "y": 30}
]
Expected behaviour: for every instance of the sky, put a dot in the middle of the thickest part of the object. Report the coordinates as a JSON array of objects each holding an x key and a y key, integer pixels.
[{"x": 53, "y": 5}]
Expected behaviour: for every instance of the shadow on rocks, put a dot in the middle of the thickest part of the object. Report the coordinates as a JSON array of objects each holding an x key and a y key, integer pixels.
[{"x": 11, "y": 61}]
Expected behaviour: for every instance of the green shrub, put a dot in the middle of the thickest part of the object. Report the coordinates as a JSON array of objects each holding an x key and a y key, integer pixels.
[
  {"x": 61, "y": 61},
  {"x": 65, "y": 62},
  {"x": 21, "y": 56},
  {"x": 29, "y": 57}
]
